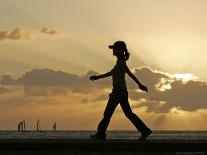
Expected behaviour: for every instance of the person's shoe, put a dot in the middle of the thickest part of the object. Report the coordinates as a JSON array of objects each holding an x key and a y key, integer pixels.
[
  {"x": 145, "y": 134},
  {"x": 99, "y": 136}
]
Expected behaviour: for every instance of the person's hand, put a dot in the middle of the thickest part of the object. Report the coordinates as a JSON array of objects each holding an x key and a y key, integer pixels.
[
  {"x": 93, "y": 78},
  {"x": 143, "y": 87}
]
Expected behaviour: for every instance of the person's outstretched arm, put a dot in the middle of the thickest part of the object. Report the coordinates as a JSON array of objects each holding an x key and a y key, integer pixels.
[
  {"x": 101, "y": 76},
  {"x": 141, "y": 86}
]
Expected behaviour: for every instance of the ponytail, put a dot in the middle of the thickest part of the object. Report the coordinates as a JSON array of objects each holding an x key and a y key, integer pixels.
[{"x": 126, "y": 55}]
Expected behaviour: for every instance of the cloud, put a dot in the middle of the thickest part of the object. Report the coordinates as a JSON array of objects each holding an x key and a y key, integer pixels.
[
  {"x": 51, "y": 78},
  {"x": 188, "y": 95},
  {"x": 15, "y": 34},
  {"x": 102, "y": 97},
  {"x": 45, "y": 90},
  {"x": 166, "y": 91},
  {"x": 58, "y": 80},
  {"x": 3, "y": 35},
  {"x": 85, "y": 100},
  {"x": 6, "y": 79},
  {"x": 27, "y": 34},
  {"x": 48, "y": 31},
  {"x": 52, "y": 82},
  {"x": 48, "y": 94}
]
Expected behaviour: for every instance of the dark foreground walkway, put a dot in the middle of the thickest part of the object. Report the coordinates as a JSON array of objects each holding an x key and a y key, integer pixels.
[{"x": 111, "y": 146}]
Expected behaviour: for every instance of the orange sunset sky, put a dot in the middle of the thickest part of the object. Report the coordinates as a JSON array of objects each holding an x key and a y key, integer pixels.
[{"x": 50, "y": 48}]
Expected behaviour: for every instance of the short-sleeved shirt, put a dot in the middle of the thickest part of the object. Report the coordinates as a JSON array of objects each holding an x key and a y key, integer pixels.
[{"x": 118, "y": 74}]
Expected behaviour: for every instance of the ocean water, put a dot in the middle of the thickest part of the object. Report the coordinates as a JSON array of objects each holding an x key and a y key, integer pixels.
[{"x": 156, "y": 135}]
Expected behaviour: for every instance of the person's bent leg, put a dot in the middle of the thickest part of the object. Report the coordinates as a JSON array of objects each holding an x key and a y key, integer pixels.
[{"x": 138, "y": 123}]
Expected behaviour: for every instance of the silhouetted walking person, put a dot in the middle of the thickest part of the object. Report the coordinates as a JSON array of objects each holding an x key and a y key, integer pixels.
[
  {"x": 38, "y": 125},
  {"x": 21, "y": 126},
  {"x": 54, "y": 126},
  {"x": 119, "y": 93}
]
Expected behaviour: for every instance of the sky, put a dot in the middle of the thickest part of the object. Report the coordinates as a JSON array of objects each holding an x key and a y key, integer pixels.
[{"x": 48, "y": 50}]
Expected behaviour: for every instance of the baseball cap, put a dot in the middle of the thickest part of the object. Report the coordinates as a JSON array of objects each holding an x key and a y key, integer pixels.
[{"x": 119, "y": 45}]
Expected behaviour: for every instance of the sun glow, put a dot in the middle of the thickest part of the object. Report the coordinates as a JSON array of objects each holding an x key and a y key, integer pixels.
[
  {"x": 185, "y": 77},
  {"x": 177, "y": 111},
  {"x": 163, "y": 85}
]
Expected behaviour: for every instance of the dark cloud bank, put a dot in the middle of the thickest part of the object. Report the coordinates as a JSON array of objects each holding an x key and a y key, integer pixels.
[{"x": 189, "y": 96}]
